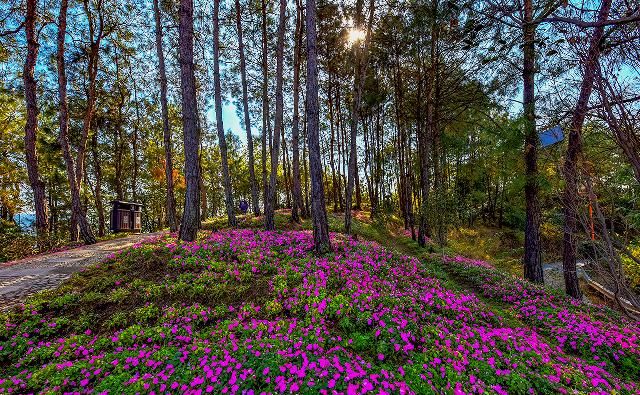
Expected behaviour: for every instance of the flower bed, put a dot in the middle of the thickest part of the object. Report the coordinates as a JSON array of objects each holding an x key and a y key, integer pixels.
[{"x": 246, "y": 311}]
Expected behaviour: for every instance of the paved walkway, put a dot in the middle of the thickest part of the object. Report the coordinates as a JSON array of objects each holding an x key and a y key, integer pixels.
[{"x": 19, "y": 279}]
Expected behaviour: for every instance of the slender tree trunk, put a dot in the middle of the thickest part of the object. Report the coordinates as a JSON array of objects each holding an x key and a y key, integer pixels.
[
  {"x": 203, "y": 200},
  {"x": 532, "y": 247},
  {"x": 423, "y": 150},
  {"x": 574, "y": 151},
  {"x": 222, "y": 141},
  {"x": 191, "y": 132},
  {"x": 98, "y": 187},
  {"x": 166, "y": 131},
  {"x": 318, "y": 207},
  {"x": 269, "y": 221},
  {"x": 95, "y": 38},
  {"x": 334, "y": 182},
  {"x": 305, "y": 168},
  {"x": 295, "y": 133},
  {"x": 31, "y": 126},
  {"x": 359, "y": 77},
  {"x": 286, "y": 169},
  {"x": 247, "y": 122},
  {"x": 134, "y": 146},
  {"x": 78, "y": 215},
  {"x": 353, "y": 122},
  {"x": 119, "y": 135},
  {"x": 266, "y": 122}
]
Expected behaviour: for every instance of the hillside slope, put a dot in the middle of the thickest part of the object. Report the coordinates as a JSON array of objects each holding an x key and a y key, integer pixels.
[{"x": 247, "y": 311}]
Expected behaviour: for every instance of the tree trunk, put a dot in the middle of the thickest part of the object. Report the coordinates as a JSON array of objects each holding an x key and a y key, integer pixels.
[
  {"x": 269, "y": 221},
  {"x": 266, "y": 123},
  {"x": 334, "y": 182},
  {"x": 532, "y": 247},
  {"x": 247, "y": 122},
  {"x": 134, "y": 146},
  {"x": 79, "y": 217},
  {"x": 191, "y": 132},
  {"x": 358, "y": 80},
  {"x": 360, "y": 70},
  {"x": 31, "y": 126},
  {"x": 297, "y": 189},
  {"x": 305, "y": 168},
  {"x": 425, "y": 182},
  {"x": 574, "y": 151},
  {"x": 98, "y": 187},
  {"x": 119, "y": 135},
  {"x": 321, "y": 240},
  {"x": 222, "y": 141},
  {"x": 170, "y": 198}
]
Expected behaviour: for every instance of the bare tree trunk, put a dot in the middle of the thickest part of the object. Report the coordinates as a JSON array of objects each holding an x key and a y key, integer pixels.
[
  {"x": 191, "y": 132},
  {"x": 134, "y": 146},
  {"x": 360, "y": 70},
  {"x": 425, "y": 182},
  {"x": 358, "y": 82},
  {"x": 269, "y": 206},
  {"x": 222, "y": 141},
  {"x": 95, "y": 38},
  {"x": 203, "y": 201},
  {"x": 78, "y": 215},
  {"x": 305, "y": 168},
  {"x": 574, "y": 151},
  {"x": 532, "y": 246},
  {"x": 31, "y": 126},
  {"x": 170, "y": 199},
  {"x": 247, "y": 122},
  {"x": 297, "y": 190},
  {"x": 119, "y": 135},
  {"x": 334, "y": 182},
  {"x": 98, "y": 187},
  {"x": 266, "y": 123},
  {"x": 321, "y": 240}
]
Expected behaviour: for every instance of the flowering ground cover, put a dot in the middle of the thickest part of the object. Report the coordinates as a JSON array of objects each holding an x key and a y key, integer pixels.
[{"x": 249, "y": 311}]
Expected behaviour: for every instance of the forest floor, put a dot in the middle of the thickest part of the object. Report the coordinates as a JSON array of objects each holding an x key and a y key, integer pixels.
[
  {"x": 24, "y": 277},
  {"x": 244, "y": 310}
]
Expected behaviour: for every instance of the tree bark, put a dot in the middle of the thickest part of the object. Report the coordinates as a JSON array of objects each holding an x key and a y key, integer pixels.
[
  {"x": 247, "y": 122},
  {"x": 332, "y": 140},
  {"x": 297, "y": 189},
  {"x": 191, "y": 131},
  {"x": 98, "y": 187},
  {"x": 425, "y": 182},
  {"x": 119, "y": 134},
  {"x": 269, "y": 221},
  {"x": 166, "y": 131},
  {"x": 31, "y": 126},
  {"x": 222, "y": 141},
  {"x": 266, "y": 122},
  {"x": 574, "y": 151},
  {"x": 134, "y": 145},
  {"x": 360, "y": 70},
  {"x": 532, "y": 247},
  {"x": 321, "y": 240},
  {"x": 78, "y": 215}
]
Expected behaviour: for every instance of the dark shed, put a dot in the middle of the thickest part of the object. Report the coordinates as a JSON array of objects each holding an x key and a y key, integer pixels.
[{"x": 126, "y": 216}]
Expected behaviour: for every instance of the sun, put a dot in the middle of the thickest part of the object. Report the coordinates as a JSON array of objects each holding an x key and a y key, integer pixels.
[{"x": 355, "y": 35}]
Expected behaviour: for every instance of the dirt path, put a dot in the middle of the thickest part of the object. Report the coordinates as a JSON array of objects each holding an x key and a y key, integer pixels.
[{"x": 19, "y": 279}]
